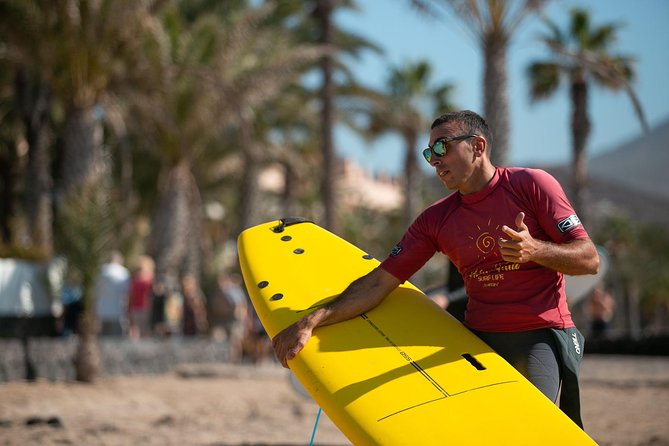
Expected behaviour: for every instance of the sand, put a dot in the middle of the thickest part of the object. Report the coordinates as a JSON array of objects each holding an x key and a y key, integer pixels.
[{"x": 625, "y": 402}]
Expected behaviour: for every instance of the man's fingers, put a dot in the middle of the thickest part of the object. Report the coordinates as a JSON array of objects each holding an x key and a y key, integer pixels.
[
  {"x": 514, "y": 235},
  {"x": 520, "y": 227},
  {"x": 506, "y": 244},
  {"x": 510, "y": 255},
  {"x": 286, "y": 353},
  {"x": 520, "y": 222},
  {"x": 285, "y": 357}
]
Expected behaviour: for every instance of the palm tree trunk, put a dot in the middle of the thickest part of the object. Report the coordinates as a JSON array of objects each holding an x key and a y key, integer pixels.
[
  {"x": 127, "y": 205},
  {"x": 39, "y": 199},
  {"x": 33, "y": 103},
  {"x": 323, "y": 13},
  {"x": 249, "y": 193},
  {"x": 193, "y": 261},
  {"x": 88, "y": 358},
  {"x": 171, "y": 223},
  {"x": 411, "y": 174},
  {"x": 580, "y": 127},
  {"x": 248, "y": 198},
  {"x": 496, "y": 100},
  {"x": 288, "y": 198},
  {"x": 83, "y": 160},
  {"x": 8, "y": 164},
  {"x": 86, "y": 173}
]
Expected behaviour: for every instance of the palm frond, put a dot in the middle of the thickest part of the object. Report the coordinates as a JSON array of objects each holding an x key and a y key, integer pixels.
[
  {"x": 86, "y": 226},
  {"x": 554, "y": 36},
  {"x": 544, "y": 78},
  {"x": 603, "y": 37},
  {"x": 585, "y": 54},
  {"x": 580, "y": 27}
]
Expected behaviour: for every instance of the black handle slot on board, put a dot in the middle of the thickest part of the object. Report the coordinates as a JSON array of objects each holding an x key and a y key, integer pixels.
[
  {"x": 473, "y": 361},
  {"x": 289, "y": 221}
]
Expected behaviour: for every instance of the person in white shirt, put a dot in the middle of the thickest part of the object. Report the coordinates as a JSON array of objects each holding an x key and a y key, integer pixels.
[{"x": 111, "y": 295}]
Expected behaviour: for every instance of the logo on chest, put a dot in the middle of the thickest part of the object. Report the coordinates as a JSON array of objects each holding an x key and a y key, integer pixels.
[{"x": 486, "y": 241}]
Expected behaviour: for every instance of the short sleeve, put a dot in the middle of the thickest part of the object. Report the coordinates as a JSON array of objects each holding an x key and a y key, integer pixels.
[{"x": 416, "y": 247}]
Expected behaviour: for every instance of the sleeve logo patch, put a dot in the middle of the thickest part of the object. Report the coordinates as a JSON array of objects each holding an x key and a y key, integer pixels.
[
  {"x": 396, "y": 250},
  {"x": 568, "y": 223}
]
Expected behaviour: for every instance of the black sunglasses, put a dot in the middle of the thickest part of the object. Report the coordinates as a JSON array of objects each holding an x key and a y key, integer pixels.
[{"x": 439, "y": 147}]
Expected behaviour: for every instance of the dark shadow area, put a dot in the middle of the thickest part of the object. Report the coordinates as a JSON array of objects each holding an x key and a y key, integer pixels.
[{"x": 651, "y": 346}]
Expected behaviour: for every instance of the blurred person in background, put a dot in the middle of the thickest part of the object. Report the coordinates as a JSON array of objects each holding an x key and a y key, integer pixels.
[
  {"x": 70, "y": 297},
  {"x": 111, "y": 296},
  {"x": 228, "y": 311},
  {"x": 601, "y": 308},
  {"x": 139, "y": 299},
  {"x": 159, "y": 295},
  {"x": 194, "y": 322}
]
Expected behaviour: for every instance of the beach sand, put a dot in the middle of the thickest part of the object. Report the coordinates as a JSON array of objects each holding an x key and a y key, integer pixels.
[{"x": 625, "y": 401}]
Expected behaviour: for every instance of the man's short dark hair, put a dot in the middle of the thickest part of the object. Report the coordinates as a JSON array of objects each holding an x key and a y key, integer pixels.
[{"x": 470, "y": 121}]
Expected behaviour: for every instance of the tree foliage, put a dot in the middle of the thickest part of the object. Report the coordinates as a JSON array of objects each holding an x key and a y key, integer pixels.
[
  {"x": 641, "y": 253},
  {"x": 159, "y": 122},
  {"x": 580, "y": 56},
  {"x": 406, "y": 106},
  {"x": 492, "y": 24}
]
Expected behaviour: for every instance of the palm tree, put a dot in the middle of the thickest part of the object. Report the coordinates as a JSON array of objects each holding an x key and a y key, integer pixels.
[
  {"x": 10, "y": 134},
  {"x": 402, "y": 109},
  {"x": 582, "y": 56},
  {"x": 80, "y": 50},
  {"x": 289, "y": 130},
  {"x": 640, "y": 271},
  {"x": 280, "y": 57},
  {"x": 85, "y": 233},
  {"x": 323, "y": 14},
  {"x": 493, "y": 24},
  {"x": 173, "y": 117},
  {"x": 34, "y": 106},
  {"x": 322, "y": 29},
  {"x": 219, "y": 65}
]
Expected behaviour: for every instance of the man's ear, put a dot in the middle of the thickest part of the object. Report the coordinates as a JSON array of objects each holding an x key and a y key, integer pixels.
[{"x": 480, "y": 146}]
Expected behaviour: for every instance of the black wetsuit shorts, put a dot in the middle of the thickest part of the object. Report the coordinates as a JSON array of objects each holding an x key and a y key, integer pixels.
[{"x": 533, "y": 353}]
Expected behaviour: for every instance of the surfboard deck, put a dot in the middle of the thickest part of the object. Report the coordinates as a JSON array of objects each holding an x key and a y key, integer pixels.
[{"x": 405, "y": 373}]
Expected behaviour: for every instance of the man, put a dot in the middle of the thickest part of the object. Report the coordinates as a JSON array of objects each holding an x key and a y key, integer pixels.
[
  {"x": 111, "y": 295},
  {"x": 512, "y": 235}
]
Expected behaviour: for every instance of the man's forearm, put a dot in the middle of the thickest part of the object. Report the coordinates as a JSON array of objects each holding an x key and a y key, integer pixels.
[
  {"x": 577, "y": 257},
  {"x": 360, "y": 296}
]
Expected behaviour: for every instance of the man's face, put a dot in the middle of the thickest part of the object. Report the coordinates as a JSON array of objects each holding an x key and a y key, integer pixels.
[{"x": 459, "y": 160}]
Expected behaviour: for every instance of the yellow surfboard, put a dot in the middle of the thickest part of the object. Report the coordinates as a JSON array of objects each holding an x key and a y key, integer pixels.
[{"x": 405, "y": 373}]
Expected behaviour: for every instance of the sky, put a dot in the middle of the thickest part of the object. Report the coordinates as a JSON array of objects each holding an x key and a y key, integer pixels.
[{"x": 540, "y": 132}]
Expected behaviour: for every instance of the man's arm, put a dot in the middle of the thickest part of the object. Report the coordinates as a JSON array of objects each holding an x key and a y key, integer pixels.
[
  {"x": 577, "y": 257},
  {"x": 362, "y": 295}
]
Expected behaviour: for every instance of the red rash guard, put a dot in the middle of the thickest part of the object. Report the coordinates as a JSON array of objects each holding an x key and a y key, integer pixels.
[{"x": 503, "y": 296}]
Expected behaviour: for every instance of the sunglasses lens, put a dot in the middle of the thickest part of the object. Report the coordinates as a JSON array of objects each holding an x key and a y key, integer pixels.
[
  {"x": 427, "y": 153},
  {"x": 439, "y": 148}
]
